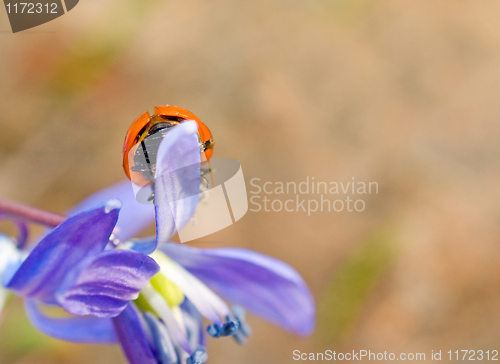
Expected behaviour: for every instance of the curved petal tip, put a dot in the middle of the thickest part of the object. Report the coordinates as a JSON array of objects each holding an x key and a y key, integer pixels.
[{"x": 263, "y": 285}]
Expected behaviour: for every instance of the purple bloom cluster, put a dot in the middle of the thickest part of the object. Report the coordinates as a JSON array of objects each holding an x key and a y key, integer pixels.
[{"x": 149, "y": 295}]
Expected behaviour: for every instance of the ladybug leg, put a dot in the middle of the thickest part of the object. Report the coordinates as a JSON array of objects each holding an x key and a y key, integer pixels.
[{"x": 209, "y": 144}]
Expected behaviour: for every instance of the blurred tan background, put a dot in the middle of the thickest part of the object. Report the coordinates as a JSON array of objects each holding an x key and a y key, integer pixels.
[{"x": 404, "y": 93}]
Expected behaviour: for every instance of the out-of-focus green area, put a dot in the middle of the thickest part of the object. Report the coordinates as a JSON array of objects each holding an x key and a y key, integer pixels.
[
  {"x": 351, "y": 286},
  {"x": 402, "y": 93}
]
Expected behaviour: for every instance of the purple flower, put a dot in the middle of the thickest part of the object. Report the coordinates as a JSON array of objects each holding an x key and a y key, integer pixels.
[
  {"x": 152, "y": 305},
  {"x": 71, "y": 268}
]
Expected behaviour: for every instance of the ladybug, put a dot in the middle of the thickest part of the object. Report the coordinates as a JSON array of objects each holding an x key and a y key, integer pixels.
[{"x": 145, "y": 135}]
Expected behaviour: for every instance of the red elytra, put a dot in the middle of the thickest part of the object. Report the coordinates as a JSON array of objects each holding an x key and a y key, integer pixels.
[{"x": 140, "y": 130}]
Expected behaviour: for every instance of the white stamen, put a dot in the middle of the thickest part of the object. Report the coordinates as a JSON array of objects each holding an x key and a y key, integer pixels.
[
  {"x": 192, "y": 325},
  {"x": 181, "y": 279},
  {"x": 215, "y": 301},
  {"x": 177, "y": 312},
  {"x": 157, "y": 302},
  {"x": 167, "y": 342}
]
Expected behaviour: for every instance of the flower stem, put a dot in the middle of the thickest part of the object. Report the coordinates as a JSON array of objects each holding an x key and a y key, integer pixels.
[{"x": 28, "y": 213}]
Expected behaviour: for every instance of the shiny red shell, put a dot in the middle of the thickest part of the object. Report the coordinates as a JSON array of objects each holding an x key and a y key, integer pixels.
[{"x": 140, "y": 128}]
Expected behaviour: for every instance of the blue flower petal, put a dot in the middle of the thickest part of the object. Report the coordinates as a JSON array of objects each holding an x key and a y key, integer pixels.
[
  {"x": 266, "y": 286},
  {"x": 103, "y": 285},
  {"x": 77, "y": 238},
  {"x": 177, "y": 183},
  {"x": 130, "y": 333},
  {"x": 88, "y": 330},
  {"x": 144, "y": 246},
  {"x": 134, "y": 216}
]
